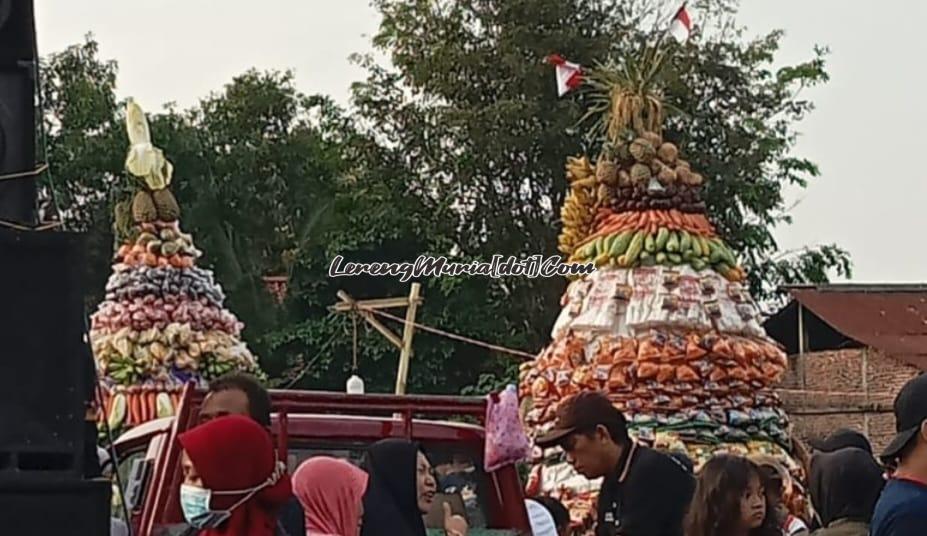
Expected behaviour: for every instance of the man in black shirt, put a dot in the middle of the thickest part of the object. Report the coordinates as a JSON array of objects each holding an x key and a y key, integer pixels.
[{"x": 644, "y": 492}]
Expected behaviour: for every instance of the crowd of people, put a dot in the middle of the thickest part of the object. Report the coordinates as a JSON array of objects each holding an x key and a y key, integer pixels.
[
  {"x": 389, "y": 494},
  {"x": 643, "y": 493}
]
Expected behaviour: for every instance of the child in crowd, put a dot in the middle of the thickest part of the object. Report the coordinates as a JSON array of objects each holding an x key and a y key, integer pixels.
[{"x": 730, "y": 500}]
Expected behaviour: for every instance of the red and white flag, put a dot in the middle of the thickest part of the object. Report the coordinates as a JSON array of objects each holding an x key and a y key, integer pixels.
[
  {"x": 681, "y": 26},
  {"x": 569, "y": 75}
]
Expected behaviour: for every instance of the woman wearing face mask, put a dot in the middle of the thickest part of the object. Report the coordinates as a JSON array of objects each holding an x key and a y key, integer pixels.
[
  {"x": 401, "y": 491},
  {"x": 730, "y": 501},
  {"x": 331, "y": 493},
  {"x": 233, "y": 484}
]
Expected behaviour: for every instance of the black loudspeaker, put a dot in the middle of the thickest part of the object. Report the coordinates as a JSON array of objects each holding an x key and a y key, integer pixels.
[
  {"x": 17, "y": 110},
  {"x": 46, "y": 368},
  {"x": 79, "y": 508},
  {"x": 17, "y": 31},
  {"x": 17, "y": 142}
]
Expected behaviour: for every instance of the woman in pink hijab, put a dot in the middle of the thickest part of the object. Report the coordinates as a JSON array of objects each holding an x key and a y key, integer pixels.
[{"x": 331, "y": 492}]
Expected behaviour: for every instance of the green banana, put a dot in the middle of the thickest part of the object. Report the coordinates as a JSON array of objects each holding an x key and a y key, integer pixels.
[
  {"x": 650, "y": 243},
  {"x": 586, "y": 251},
  {"x": 697, "y": 246},
  {"x": 620, "y": 245},
  {"x": 607, "y": 243},
  {"x": 634, "y": 250},
  {"x": 703, "y": 244},
  {"x": 727, "y": 253},
  {"x": 722, "y": 268},
  {"x": 716, "y": 255},
  {"x": 672, "y": 245},
  {"x": 662, "y": 236},
  {"x": 599, "y": 244},
  {"x": 685, "y": 241}
]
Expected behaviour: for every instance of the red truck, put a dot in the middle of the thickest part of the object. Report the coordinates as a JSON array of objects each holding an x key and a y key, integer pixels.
[{"x": 308, "y": 423}]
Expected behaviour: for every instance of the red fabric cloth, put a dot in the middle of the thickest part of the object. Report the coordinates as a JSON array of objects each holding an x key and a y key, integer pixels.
[
  {"x": 235, "y": 453},
  {"x": 330, "y": 491}
]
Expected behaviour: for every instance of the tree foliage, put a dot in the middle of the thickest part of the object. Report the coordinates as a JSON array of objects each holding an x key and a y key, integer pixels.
[
  {"x": 456, "y": 149},
  {"x": 475, "y": 110}
]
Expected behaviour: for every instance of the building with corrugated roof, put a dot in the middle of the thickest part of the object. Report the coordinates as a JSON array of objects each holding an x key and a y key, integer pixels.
[{"x": 851, "y": 347}]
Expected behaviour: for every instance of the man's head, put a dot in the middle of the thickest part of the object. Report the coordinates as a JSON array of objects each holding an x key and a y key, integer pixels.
[
  {"x": 910, "y": 442},
  {"x": 591, "y": 431},
  {"x": 841, "y": 439},
  {"x": 237, "y": 394}
]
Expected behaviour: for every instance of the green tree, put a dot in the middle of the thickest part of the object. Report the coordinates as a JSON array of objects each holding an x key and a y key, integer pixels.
[
  {"x": 476, "y": 114},
  {"x": 85, "y": 148},
  {"x": 270, "y": 182},
  {"x": 255, "y": 174}
]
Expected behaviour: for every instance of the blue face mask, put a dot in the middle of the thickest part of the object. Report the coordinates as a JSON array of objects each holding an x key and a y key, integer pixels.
[{"x": 195, "y": 501}]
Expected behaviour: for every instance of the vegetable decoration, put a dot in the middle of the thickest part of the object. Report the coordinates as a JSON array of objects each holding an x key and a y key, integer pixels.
[
  {"x": 664, "y": 326},
  {"x": 162, "y": 323}
]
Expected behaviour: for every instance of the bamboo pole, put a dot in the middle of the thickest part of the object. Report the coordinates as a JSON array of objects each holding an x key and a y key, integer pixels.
[{"x": 407, "y": 333}]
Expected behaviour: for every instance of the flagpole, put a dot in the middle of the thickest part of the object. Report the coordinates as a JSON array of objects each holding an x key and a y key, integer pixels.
[{"x": 660, "y": 55}]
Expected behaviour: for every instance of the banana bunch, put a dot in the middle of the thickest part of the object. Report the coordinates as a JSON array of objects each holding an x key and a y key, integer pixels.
[
  {"x": 577, "y": 211},
  {"x": 665, "y": 247},
  {"x": 122, "y": 370},
  {"x": 215, "y": 368}
]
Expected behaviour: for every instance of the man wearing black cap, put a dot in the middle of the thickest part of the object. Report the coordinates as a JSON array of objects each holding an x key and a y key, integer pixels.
[
  {"x": 902, "y": 508},
  {"x": 644, "y": 492},
  {"x": 841, "y": 439}
]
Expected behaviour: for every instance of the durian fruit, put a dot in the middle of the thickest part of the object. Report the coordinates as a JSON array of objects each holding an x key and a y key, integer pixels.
[
  {"x": 123, "y": 224},
  {"x": 666, "y": 175},
  {"x": 624, "y": 179},
  {"x": 606, "y": 171},
  {"x": 642, "y": 150},
  {"x": 143, "y": 208},
  {"x": 683, "y": 172},
  {"x": 166, "y": 205},
  {"x": 640, "y": 174},
  {"x": 668, "y": 153},
  {"x": 655, "y": 139},
  {"x": 623, "y": 155}
]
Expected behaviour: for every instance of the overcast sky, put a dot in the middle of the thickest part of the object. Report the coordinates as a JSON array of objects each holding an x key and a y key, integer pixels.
[{"x": 866, "y": 134}]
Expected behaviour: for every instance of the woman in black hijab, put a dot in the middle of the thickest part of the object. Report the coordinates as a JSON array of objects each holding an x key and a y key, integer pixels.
[
  {"x": 845, "y": 485},
  {"x": 400, "y": 491}
]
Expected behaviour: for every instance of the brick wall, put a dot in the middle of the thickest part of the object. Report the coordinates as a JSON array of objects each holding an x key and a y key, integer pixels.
[{"x": 852, "y": 388}]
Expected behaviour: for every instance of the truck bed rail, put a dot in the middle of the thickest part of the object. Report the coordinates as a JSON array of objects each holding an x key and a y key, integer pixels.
[{"x": 341, "y": 403}]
